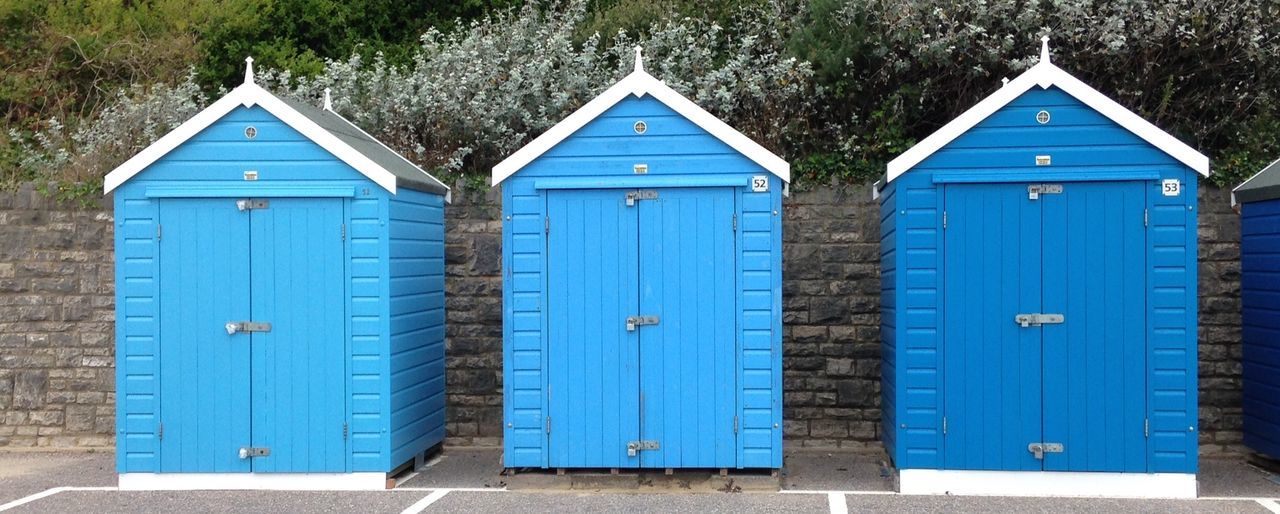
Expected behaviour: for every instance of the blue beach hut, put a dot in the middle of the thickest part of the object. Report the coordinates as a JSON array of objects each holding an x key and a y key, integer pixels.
[
  {"x": 642, "y": 256},
  {"x": 279, "y": 302},
  {"x": 1259, "y": 202},
  {"x": 1039, "y": 299}
]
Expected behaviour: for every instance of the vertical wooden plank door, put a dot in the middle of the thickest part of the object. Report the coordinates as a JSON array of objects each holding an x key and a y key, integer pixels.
[
  {"x": 299, "y": 369},
  {"x": 991, "y": 366},
  {"x": 1081, "y": 383},
  {"x": 592, "y": 360},
  {"x": 1095, "y": 361},
  {"x": 688, "y": 367},
  {"x": 204, "y": 371}
]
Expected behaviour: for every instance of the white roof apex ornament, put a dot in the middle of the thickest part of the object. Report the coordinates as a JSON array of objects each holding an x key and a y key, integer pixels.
[
  {"x": 328, "y": 101},
  {"x": 1044, "y": 49},
  {"x": 248, "y": 70},
  {"x": 639, "y": 60}
]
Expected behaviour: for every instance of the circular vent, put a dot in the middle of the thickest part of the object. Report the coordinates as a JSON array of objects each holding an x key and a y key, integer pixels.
[
  {"x": 1042, "y": 117},
  {"x": 641, "y": 127},
  {"x": 250, "y": 132}
]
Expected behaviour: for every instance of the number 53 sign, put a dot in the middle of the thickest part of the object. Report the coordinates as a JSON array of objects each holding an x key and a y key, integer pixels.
[{"x": 1170, "y": 187}]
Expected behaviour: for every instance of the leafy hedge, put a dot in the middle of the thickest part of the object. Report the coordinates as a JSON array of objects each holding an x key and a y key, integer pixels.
[{"x": 839, "y": 87}]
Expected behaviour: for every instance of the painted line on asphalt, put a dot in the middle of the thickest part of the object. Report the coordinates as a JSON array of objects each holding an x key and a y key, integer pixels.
[
  {"x": 47, "y": 493},
  {"x": 1270, "y": 505},
  {"x": 835, "y": 491},
  {"x": 837, "y": 503},
  {"x": 454, "y": 489},
  {"x": 425, "y": 502}
]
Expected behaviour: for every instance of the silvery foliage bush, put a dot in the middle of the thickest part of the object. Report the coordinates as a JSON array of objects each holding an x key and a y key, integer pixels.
[
  {"x": 138, "y": 116},
  {"x": 472, "y": 97}
]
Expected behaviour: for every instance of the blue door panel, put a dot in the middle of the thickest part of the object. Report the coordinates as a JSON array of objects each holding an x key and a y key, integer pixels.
[
  {"x": 593, "y": 361},
  {"x": 299, "y": 369},
  {"x": 688, "y": 360},
  {"x": 1095, "y": 361},
  {"x": 204, "y": 386},
  {"x": 991, "y": 376}
]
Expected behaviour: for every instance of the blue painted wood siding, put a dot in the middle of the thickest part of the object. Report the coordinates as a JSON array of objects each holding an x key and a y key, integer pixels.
[
  {"x": 1083, "y": 145},
  {"x": 416, "y": 328},
  {"x": 889, "y": 315},
  {"x": 1260, "y": 291},
  {"x": 215, "y": 160},
  {"x": 678, "y": 154}
]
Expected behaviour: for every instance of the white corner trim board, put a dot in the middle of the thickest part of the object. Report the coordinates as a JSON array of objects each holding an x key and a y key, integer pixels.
[
  {"x": 640, "y": 83},
  {"x": 1047, "y": 483},
  {"x": 253, "y": 481},
  {"x": 1044, "y": 75}
]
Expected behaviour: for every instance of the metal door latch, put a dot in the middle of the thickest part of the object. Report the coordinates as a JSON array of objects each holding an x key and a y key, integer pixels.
[
  {"x": 1039, "y": 449},
  {"x": 643, "y": 194},
  {"x": 635, "y": 321},
  {"x": 1035, "y": 190},
  {"x": 635, "y": 447},
  {"x": 1037, "y": 319},
  {"x": 249, "y": 451},
  {"x": 247, "y": 326},
  {"x": 248, "y": 205}
]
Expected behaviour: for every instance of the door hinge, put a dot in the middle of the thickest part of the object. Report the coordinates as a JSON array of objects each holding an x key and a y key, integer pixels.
[
  {"x": 546, "y": 224},
  {"x": 1146, "y": 217},
  {"x": 548, "y": 424},
  {"x": 944, "y": 220},
  {"x": 344, "y": 231},
  {"x": 944, "y": 425},
  {"x": 344, "y": 430},
  {"x": 1146, "y": 427},
  {"x": 735, "y": 424},
  {"x": 160, "y": 431},
  {"x": 159, "y": 232},
  {"x": 735, "y": 222}
]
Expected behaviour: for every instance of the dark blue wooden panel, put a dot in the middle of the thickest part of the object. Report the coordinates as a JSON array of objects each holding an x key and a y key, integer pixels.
[
  {"x": 299, "y": 368},
  {"x": 1260, "y": 292},
  {"x": 1095, "y": 362},
  {"x": 204, "y": 384},
  {"x": 992, "y": 367},
  {"x": 593, "y": 361},
  {"x": 688, "y": 361}
]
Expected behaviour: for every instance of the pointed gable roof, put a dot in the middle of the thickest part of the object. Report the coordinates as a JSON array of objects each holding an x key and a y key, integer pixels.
[
  {"x": 1045, "y": 74},
  {"x": 640, "y": 83},
  {"x": 322, "y": 126}
]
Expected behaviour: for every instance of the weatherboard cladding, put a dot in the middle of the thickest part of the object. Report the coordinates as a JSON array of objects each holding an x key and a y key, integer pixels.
[
  {"x": 679, "y": 153},
  {"x": 1084, "y": 146},
  {"x": 1260, "y": 294},
  {"x": 393, "y": 327}
]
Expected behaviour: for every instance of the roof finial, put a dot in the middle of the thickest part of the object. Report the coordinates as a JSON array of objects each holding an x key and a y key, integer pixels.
[
  {"x": 248, "y": 70},
  {"x": 328, "y": 101},
  {"x": 1044, "y": 49},
  {"x": 1004, "y": 81},
  {"x": 639, "y": 61}
]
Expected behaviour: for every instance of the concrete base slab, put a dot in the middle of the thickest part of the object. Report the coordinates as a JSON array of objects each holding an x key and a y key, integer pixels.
[
  {"x": 645, "y": 481},
  {"x": 254, "y": 481},
  {"x": 1047, "y": 483}
]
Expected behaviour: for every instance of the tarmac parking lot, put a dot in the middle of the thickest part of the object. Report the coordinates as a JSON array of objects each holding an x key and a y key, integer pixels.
[{"x": 471, "y": 480}]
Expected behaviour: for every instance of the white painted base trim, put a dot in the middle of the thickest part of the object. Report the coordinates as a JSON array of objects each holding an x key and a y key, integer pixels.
[
  {"x": 1047, "y": 483},
  {"x": 255, "y": 481}
]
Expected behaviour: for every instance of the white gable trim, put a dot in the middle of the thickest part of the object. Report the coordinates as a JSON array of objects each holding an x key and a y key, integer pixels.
[
  {"x": 1046, "y": 74},
  {"x": 640, "y": 83},
  {"x": 249, "y": 95}
]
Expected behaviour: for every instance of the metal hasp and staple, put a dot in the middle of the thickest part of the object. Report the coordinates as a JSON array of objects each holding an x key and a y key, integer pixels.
[
  {"x": 635, "y": 321},
  {"x": 1037, "y": 319},
  {"x": 250, "y": 451},
  {"x": 1035, "y": 190},
  {"x": 635, "y": 447},
  {"x": 249, "y": 205},
  {"x": 235, "y": 327},
  {"x": 643, "y": 194},
  {"x": 1039, "y": 449}
]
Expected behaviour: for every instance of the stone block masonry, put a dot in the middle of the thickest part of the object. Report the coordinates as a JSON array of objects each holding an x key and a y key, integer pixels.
[{"x": 57, "y": 330}]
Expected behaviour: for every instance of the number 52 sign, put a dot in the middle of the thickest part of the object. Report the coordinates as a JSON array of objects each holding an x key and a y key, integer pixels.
[{"x": 760, "y": 184}]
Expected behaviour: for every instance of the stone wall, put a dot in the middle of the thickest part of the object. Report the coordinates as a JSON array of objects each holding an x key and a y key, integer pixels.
[
  {"x": 56, "y": 376},
  {"x": 57, "y": 373}
]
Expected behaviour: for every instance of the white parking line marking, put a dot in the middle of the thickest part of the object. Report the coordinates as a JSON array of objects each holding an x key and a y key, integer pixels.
[
  {"x": 454, "y": 489},
  {"x": 47, "y": 493},
  {"x": 812, "y": 491},
  {"x": 425, "y": 502},
  {"x": 1270, "y": 505},
  {"x": 837, "y": 503}
]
